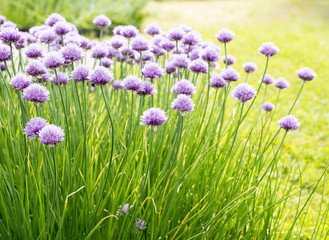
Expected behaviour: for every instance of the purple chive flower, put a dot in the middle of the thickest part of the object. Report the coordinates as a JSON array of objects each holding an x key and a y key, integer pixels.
[
  {"x": 117, "y": 30},
  {"x": 289, "y": 122},
  {"x": 268, "y": 49},
  {"x": 53, "y": 60},
  {"x": 132, "y": 83},
  {"x": 175, "y": 34},
  {"x": 249, "y": 67},
  {"x": 61, "y": 28},
  {"x": 181, "y": 61},
  {"x": 157, "y": 40},
  {"x": 306, "y": 74},
  {"x": 183, "y": 104},
  {"x": 183, "y": 87},
  {"x": 102, "y": 21},
  {"x": 140, "y": 43},
  {"x": 2, "y": 19},
  {"x": 36, "y": 93},
  {"x": 54, "y": 18},
  {"x": 51, "y": 135},
  {"x": 124, "y": 209},
  {"x": 47, "y": 36},
  {"x": 195, "y": 54},
  {"x": 167, "y": 45},
  {"x": 152, "y": 70},
  {"x": 21, "y": 42},
  {"x": 154, "y": 117},
  {"x": 170, "y": 67},
  {"x": 117, "y": 41},
  {"x": 34, "y": 51},
  {"x": 147, "y": 89},
  {"x": 152, "y": 29},
  {"x": 210, "y": 54},
  {"x": 2, "y": 66},
  {"x": 106, "y": 62},
  {"x": 117, "y": 85},
  {"x": 244, "y": 92},
  {"x": 186, "y": 28},
  {"x": 81, "y": 73},
  {"x": 72, "y": 53},
  {"x": 98, "y": 51},
  {"x": 268, "y": 107},
  {"x": 129, "y": 31},
  {"x": 62, "y": 78},
  {"x": 225, "y": 35},
  {"x": 20, "y": 81},
  {"x": 44, "y": 77},
  {"x": 34, "y": 126},
  {"x": 8, "y": 24},
  {"x": 230, "y": 75},
  {"x": 157, "y": 50},
  {"x": 191, "y": 38},
  {"x": 35, "y": 68},
  {"x": 198, "y": 66},
  {"x": 281, "y": 83},
  {"x": 140, "y": 225},
  {"x": 268, "y": 79},
  {"x": 230, "y": 59},
  {"x": 5, "y": 54},
  {"x": 9, "y": 35},
  {"x": 216, "y": 81},
  {"x": 146, "y": 56},
  {"x": 85, "y": 43},
  {"x": 101, "y": 76}
]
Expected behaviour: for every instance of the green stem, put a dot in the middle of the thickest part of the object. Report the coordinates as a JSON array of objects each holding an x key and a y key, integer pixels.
[
  {"x": 12, "y": 59},
  {"x": 300, "y": 90}
]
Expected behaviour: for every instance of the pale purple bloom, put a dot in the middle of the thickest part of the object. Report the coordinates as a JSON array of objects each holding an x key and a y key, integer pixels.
[
  {"x": 225, "y": 35},
  {"x": 140, "y": 225},
  {"x": 35, "y": 68},
  {"x": 175, "y": 34},
  {"x": 268, "y": 107},
  {"x": 281, "y": 83},
  {"x": 47, "y": 36},
  {"x": 152, "y": 70},
  {"x": 230, "y": 59},
  {"x": 167, "y": 45},
  {"x": 153, "y": 117},
  {"x": 140, "y": 43},
  {"x": 62, "y": 28},
  {"x": 198, "y": 66},
  {"x": 111, "y": 52},
  {"x": 210, "y": 54},
  {"x": 152, "y": 29},
  {"x": 195, "y": 54},
  {"x": 186, "y": 28},
  {"x": 2, "y": 66},
  {"x": 158, "y": 39},
  {"x": 20, "y": 81},
  {"x": 268, "y": 79},
  {"x": 117, "y": 41},
  {"x": 289, "y": 122},
  {"x": 53, "y": 60},
  {"x": 102, "y": 21},
  {"x": 101, "y": 76},
  {"x": 129, "y": 31},
  {"x": 36, "y": 93},
  {"x": 8, "y": 24},
  {"x": 34, "y": 51},
  {"x": 62, "y": 78},
  {"x": 244, "y": 92},
  {"x": 124, "y": 209},
  {"x": 124, "y": 51},
  {"x": 306, "y": 74},
  {"x": 54, "y": 18},
  {"x": 191, "y": 38},
  {"x": 106, "y": 62},
  {"x": 2, "y": 19},
  {"x": 170, "y": 67},
  {"x": 132, "y": 83},
  {"x": 85, "y": 43},
  {"x": 181, "y": 61},
  {"x": 30, "y": 38},
  {"x": 230, "y": 74},
  {"x": 98, "y": 51},
  {"x": 117, "y": 30},
  {"x": 9, "y": 35},
  {"x": 51, "y": 135},
  {"x": 21, "y": 42},
  {"x": 34, "y": 126},
  {"x": 72, "y": 53},
  {"x": 5, "y": 54},
  {"x": 81, "y": 73},
  {"x": 183, "y": 87},
  {"x": 117, "y": 84},
  {"x": 216, "y": 81},
  {"x": 249, "y": 67},
  {"x": 147, "y": 89},
  {"x": 146, "y": 56},
  {"x": 44, "y": 77},
  {"x": 268, "y": 49},
  {"x": 183, "y": 104}
]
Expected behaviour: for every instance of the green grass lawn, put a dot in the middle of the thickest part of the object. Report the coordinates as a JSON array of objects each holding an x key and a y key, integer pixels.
[{"x": 300, "y": 30}]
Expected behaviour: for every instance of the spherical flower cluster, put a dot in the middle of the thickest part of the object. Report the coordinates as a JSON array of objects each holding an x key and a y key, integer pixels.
[
  {"x": 181, "y": 61},
  {"x": 289, "y": 122},
  {"x": 72, "y": 52},
  {"x": 34, "y": 51},
  {"x": 198, "y": 66},
  {"x": 47, "y": 36},
  {"x": 195, "y": 54},
  {"x": 191, "y": 38},
  {"x": 34, "y": 126},
  {"x": 249, "y": 67},
  {"x": 106, "y": 62},
  {"x": 230, "y": 75},
  {"x": 140, "y": 225},
  {"x": 153, "y": 117},
  {"x": 152, "y": 29},
  {"x": 306, "y": 74},
  {"x": 152, "y": 70},
  {"x": 61, "y": 78},
  {"x": 268, "y": 107},
  {"x": 210, "y": 54},
  {"x": 2, "y": 19},
  {"x": 36, "y": 93},
  {"x": 62, "y": 28},
  {"x": 132, "y": 83},
  {"x": 175, "y": 34},
  {"x": 5, "y": 54},
  {"x": 147, "y": 89},
  {"x": 183, "y": 104},
  {"x": 281, "y": 83},
  {"x": 81, "y": 73},
  {"x": 51, "y": 135},
  {"x": 183, "y": 87},
  {"x": 9, "y": 35},
  {"x": 225, "y": 35},
  {"x": 140, "y": 43},
  {"x": 244, "y": 92},
  {"x": 2, "y": 66},
  {"x": 117, "y": 41},
  {"x": 268, "y": 49},
  {"x": 54, "y": 18},
  {"x": 35, "y": 68},
  {"x": 216, "y": 81},
  {"x": 268, "y": 79},
  {"x": 129, "y": 31},
  {"x": 98, "y": 51},
  {"x": 20, "y": 81},
  {"x": 102, "y": 21},
  {"x": 170, "y": 67},
  {"x": 230, "y": 59},
  {"x": 117, "y": 84},
  {"x": 167, "y": 45},
  {"x": 53, "y": 60},
  {"x": 101, "y": 76},
  {"x": 146, "y": 56}
]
